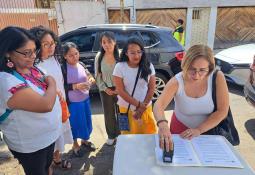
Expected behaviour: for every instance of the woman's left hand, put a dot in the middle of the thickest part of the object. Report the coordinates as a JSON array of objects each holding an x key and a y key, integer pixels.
[
  {"x": 190, "y": 133},
  {"x": 139, "y": 111}
]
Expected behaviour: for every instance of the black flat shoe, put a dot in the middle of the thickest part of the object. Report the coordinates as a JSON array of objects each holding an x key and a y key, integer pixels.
[{"x": 88, "y": 146}]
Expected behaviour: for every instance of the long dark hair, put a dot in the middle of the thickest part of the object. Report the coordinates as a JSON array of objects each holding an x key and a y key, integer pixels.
[
  {"x": 144, "y": 63},
  {"x": 39, "y": 32},
  {"x": 12, "y": 38},
  {"x": 109, "y": 35}
]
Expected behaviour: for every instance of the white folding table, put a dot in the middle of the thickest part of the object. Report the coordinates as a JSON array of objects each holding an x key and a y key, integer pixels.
[{"x": 135, "y": 155}]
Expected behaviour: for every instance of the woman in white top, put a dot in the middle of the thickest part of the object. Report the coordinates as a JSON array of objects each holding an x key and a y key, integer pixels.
[
  {"x": 133, "y": 59},
  {"x": 192, "y": 93},
  {"x": 30, "y": 112},
  {"x": 47, "y": 61}
]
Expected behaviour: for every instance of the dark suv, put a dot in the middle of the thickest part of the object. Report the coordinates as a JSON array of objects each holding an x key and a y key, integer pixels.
[{"x": 160, "y": 47}]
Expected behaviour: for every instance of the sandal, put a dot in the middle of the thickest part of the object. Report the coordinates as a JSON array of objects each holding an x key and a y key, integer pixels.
[
  {"x": 77, "y": 153},
  {"x": 65, "y": 164},
  {"x": 89, "y": 146}
]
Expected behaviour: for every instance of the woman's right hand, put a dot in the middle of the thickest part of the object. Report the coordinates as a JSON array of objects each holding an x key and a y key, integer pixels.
[
  {"x": 164, "y": 136},
  {"x": 109, "y": 91}
]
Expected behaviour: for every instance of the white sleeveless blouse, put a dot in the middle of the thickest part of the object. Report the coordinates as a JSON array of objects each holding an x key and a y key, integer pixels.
[{"x": 193, "y": 111}]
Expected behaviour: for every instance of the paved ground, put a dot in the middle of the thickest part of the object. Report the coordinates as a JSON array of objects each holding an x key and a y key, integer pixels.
[{"x": 101, "y": 161}]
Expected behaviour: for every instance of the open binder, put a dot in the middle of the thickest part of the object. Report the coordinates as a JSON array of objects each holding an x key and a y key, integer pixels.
[{"x": 204, "y": 150}]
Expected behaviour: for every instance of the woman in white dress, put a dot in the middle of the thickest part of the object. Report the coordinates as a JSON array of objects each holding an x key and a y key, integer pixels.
[
  {"x": 47, "y": 61},
  {"x": 29, "y": 130}
]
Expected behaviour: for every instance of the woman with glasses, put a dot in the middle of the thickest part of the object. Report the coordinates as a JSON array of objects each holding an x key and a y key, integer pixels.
[
  {"x": 134, "y": 63},
  {"x": 192, "y": 92},
  {"x": 30, "y": 112},
  {"x": 48, "y": 61},
  {"x": 104, "y": 64}
]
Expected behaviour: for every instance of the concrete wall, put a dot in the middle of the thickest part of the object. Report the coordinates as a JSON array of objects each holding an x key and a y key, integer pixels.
[
  {"x": 75, "y": 14},
  {"x": 199, "y": 31}
]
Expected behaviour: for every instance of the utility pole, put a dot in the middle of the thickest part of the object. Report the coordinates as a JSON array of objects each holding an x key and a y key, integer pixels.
[{"x": 122, "y": 11}]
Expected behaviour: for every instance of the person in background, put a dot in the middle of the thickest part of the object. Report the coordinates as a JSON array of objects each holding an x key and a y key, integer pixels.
[
  {"x": 77, "y": 84},
  {"x": 104, "y": 64},
  {"x": 133, "y": 59},
  {"x": 48, "y": 61},
  {"x": 192, "y": 92},
  {"x": 30, "y": 111},
  {"x": 179, "y": 33}
]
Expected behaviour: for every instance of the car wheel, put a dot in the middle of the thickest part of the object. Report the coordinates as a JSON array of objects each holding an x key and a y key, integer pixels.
[{"x": 161, "y": 81}]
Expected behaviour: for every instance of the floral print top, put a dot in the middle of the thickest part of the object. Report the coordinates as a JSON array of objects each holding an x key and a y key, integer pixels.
[{"x": 36, "y": 77}]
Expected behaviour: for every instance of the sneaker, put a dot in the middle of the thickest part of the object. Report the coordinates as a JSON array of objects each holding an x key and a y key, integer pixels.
[{"x": 110, "y": 142}]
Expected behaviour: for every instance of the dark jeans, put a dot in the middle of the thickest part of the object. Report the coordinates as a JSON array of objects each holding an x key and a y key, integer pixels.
[
  {"x": 36, "y": 163},
  {"x": 110, "y": 116}
]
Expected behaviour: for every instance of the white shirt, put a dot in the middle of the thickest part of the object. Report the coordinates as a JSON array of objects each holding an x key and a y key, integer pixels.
[
  {"x": 128, "y": 74},
  {"x": 24, "y": 131},
  {"x": 193, "y": 111},
  {"x": 52, "y": 67}
]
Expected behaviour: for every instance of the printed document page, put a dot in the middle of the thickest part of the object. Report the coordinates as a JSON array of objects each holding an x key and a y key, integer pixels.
[
  {"x": 214, "y": 151},
  {"x": 184, "y": 154}
]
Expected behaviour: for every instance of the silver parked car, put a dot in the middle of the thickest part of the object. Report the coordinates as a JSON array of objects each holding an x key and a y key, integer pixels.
[
  {"x": 249, "y": 87},
  {"x": 234, "y": 62}
]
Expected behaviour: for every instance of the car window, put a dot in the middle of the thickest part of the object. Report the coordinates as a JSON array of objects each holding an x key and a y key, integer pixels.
[
  {"x": 122, "y": 37},
  {"x": 149, "y": 38},
  {"x": 84, "y": 41}
]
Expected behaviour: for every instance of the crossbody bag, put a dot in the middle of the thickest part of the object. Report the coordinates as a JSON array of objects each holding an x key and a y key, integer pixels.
[{"x": 123, "y": 117}]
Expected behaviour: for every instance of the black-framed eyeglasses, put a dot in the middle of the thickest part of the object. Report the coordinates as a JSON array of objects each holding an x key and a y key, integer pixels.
[{"x": 29, "y": 53}]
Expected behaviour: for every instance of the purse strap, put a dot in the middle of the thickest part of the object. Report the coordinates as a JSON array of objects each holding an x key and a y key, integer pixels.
[
  {"x": 214, "y": 89},
  {"x": 136, "y": 80}
]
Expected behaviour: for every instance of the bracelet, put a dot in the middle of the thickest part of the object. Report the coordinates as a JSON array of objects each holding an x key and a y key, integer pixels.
[{"x": 160, "y": 121}]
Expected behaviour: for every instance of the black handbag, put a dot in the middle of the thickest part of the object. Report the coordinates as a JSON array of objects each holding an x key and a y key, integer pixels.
[
  {"x": 226, "y": 127},
  {"x": 123, "y": 121}
]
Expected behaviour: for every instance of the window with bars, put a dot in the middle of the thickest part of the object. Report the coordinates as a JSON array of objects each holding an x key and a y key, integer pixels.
[{"x": 196, "y": 14}]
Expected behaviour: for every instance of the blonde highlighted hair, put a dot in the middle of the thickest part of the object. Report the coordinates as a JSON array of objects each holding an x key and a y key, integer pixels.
[{"x": 195, "y": 52}]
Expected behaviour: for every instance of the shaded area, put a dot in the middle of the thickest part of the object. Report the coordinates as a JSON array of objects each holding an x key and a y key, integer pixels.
[
  {"x": 96, "y": 105},
  {"x": 96, "y": 164},
  {"x": 103, "y": 160},
  {"x": 249, "y": 125},
  {"x": 78, "y": 164},
  {"x": 5, "y": 155}
]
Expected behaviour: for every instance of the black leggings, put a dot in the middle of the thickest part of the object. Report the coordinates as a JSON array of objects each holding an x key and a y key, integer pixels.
[
  {"x": 36, "y": 163},
  {"x": 110, "y": 118}
]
